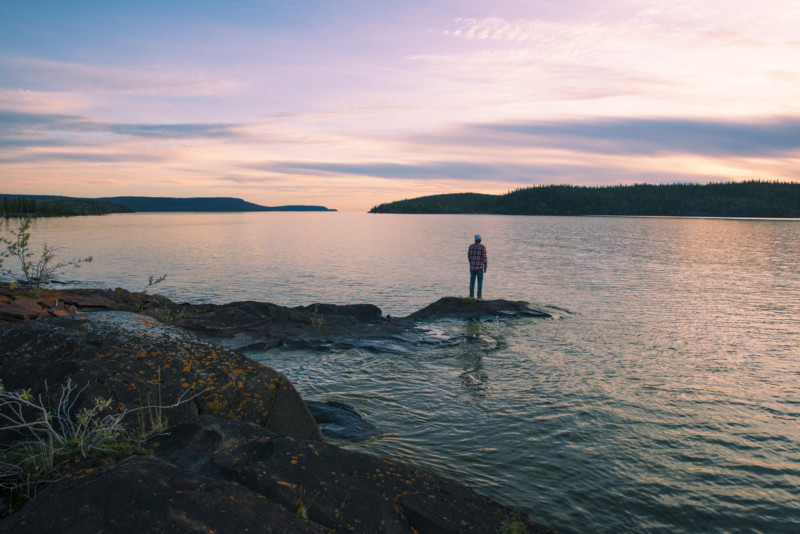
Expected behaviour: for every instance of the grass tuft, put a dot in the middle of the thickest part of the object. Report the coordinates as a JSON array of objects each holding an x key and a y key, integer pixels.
[{"x": 50, "y": 437}]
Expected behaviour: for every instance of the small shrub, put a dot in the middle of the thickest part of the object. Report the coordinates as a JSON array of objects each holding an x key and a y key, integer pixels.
[
  {"x": 152, "y": 281},
  {"x": 34, "y": 273}
]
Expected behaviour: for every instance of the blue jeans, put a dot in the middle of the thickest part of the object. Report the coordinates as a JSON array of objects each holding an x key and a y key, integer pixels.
[{"x": 472, "y": 276}]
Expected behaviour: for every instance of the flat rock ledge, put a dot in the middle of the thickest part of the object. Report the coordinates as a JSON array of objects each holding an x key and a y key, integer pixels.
[
  {"x": 243, "y": 455},
  {"x": 259, "y": 325}
]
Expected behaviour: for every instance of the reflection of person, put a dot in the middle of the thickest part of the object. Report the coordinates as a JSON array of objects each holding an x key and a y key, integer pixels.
[{"x": 477, "y": 266}]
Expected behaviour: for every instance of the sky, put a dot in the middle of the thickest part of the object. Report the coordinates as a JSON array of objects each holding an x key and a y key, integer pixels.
[{"x": 352, "y": 103}]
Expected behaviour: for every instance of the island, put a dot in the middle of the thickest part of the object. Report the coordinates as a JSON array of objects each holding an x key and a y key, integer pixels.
[
  {"x": 231, "y": 445},
  {"x": 753, "y": 198},
  {"x": 51, "y": 205}
]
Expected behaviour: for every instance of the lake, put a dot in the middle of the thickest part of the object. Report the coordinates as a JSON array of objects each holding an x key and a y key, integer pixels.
[{"x": 664, "y": 396}]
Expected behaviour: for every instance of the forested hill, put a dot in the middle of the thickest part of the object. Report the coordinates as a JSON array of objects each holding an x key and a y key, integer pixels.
[
  {"x": 205, "y": 204},
  {"x": 56, "y": 206},
  {"x": 50, "y": 205},
  {"x": 731, "y": 199}
]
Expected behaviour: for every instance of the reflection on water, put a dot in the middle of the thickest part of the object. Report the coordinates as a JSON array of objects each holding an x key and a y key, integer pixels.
[
  {"x": 474, "y": 379},
  {"x": 666, "y": 401}
]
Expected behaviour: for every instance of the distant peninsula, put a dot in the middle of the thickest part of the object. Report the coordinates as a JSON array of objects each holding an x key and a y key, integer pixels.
[
  {"x": 50, "y": 205},
  {"x": 729, "y": 199}
]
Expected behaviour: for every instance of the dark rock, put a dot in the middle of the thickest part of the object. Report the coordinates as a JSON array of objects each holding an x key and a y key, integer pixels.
[
  {"x": 149, "y": 495},
  {"x": 92, "y": 302},
  {"x": 223, "y": 475},
  {"x": 131, "y": 357},
  {"x": 20, "y": 310},
  {"x": 258, "y": 345},
  {"x": 263, "y": 321},
  {"x": 342, "y": 490},
  {"x": 339, "y": 421},
  {"x": 464, "y": 308},
  {"x": 254, "y": 326},
  {"x": 363, "y": 313}
]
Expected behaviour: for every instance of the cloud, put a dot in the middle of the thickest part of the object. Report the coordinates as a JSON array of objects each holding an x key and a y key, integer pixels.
[
  {"x": 452, "y": 176},
  {"x": 764, "y": 138},
  {"x": 9, "y": 142},
  {"x": 681, "y": 56},
  {"x": 176, "y": 131},
  {"x": 41, "y": 102},
  {"x": 721, "y": 21},
  {"x": 496, "y": 28},
  {"x": 81, "y": 157},
  {"x": 48, "y": 75},
  {"x": 430, "y": 171},
  {"x": 16, "y": 124}
]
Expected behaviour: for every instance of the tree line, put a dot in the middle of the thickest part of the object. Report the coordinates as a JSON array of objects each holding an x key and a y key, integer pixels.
[
  {"x": 728, "y": 199},
  {"x": 23, "y": 206}
]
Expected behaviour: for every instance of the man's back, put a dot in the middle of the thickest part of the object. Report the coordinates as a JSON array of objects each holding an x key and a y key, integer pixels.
[{"x": 477, "y": 257}]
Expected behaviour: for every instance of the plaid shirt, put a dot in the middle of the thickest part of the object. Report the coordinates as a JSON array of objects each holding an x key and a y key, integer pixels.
[{"x": 477, "y": 257}]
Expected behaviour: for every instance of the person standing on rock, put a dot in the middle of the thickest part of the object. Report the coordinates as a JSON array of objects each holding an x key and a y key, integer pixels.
[{"x": 478, "y": 263}]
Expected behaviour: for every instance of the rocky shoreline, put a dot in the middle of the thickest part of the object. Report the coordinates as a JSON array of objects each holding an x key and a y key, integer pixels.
[
  {"x": 245, "y": 453},
  {"x": 258, "y": 325}
]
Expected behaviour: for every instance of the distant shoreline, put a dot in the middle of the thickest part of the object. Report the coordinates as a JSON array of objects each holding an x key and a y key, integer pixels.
[
  {"x": 751, "y": 199},
  {"x": 58, "y": 206}
]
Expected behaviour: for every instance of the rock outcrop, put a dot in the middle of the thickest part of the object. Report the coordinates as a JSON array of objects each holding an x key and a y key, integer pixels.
[
  {"x": 475, "y": 310},
  {"x": 337, "y": 420},
  {"x": 262, "y": 325},
  {"x": 135, "y": 359},
  {"x": 17, "y": 303},
  {"x": 243, "y": 455}
]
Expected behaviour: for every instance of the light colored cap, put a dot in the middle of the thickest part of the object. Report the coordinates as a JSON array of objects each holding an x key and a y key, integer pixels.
[{"x": 477, "y": 237}]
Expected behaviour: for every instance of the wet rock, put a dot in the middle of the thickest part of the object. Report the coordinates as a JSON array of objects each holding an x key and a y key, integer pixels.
[
  {"x": 362, "y": 313},
  {"x": 339, "y": 421},
  {"x": 478, "y": 310}
]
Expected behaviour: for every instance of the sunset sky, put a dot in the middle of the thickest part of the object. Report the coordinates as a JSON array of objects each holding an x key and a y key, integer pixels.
[{"x": 350, "y": 103}]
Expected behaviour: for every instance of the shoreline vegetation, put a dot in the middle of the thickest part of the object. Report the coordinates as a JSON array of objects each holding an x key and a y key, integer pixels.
[
  {"x": 61, "y": 206},
  {"x": 760, "y": 199}
]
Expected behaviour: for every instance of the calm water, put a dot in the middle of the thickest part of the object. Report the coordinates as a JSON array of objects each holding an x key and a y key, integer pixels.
[{"x": 665, "y": 398}]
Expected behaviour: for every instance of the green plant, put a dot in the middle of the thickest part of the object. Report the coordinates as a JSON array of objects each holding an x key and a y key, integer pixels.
[
  {"x": 512, "y": 527},
  {"x": 152, "y": 281},
  {"x": 34, "y": 273},
  {"x": 52, "y": 436},
  {"x": 152, "y": 420},
  {"x": 316, "y": 321},
  {"x": 302, "y": 508},
  {"x": 167, "y": 315}
]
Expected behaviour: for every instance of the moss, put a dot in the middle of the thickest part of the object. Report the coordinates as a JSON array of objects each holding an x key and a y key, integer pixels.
[{"x": 512, "y": 527}]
